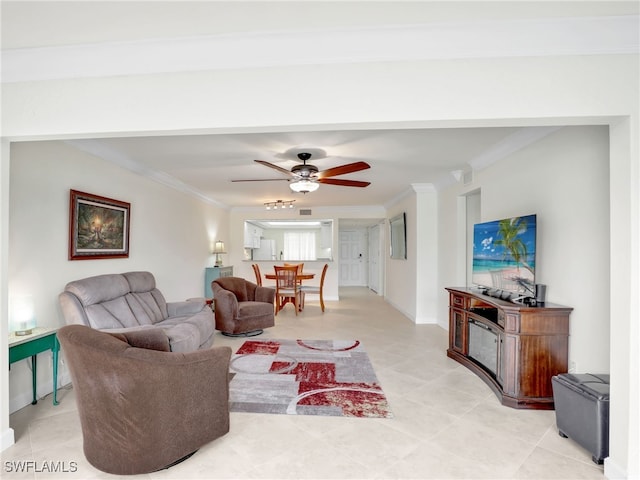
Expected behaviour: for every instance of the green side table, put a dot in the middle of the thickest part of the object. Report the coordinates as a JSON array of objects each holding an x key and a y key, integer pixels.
[{"x": 40, "y": 340}]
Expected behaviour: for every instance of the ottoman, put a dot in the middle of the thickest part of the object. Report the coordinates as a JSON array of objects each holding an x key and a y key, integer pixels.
[{"x": 582, "y": 411}]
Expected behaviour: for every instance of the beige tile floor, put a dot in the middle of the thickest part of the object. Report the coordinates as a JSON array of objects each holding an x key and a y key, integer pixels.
[{"x": 447, "y": 423}]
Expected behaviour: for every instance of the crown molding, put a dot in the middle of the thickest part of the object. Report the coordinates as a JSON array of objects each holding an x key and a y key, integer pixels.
[
  {"x": 512, "y": 38},
  {"x": 423, "y": 187},
  {"x": 447, "y": 179},
  {"x": 514, "y": 142},
  {"x": 98, "y": 149},
  {"x": 398, "y": 198}
]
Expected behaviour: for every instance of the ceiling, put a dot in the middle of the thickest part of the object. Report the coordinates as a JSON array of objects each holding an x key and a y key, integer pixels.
[{"x": 206, "y": 164}]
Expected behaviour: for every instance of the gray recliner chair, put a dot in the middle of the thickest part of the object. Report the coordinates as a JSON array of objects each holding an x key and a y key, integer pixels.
[
  {"x": 241, "y": 307},
  {"x": 142, "y": 407}
]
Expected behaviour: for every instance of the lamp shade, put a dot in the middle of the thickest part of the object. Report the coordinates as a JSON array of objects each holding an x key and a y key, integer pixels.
[
  {"x": 218, "y": 247},
  {"x": 21, "y": 316},
  {"x": 304, "y": 186}
]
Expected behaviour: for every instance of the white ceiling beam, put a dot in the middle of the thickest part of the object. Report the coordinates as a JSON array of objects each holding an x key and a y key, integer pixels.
[{"x": 507, "y": 38}]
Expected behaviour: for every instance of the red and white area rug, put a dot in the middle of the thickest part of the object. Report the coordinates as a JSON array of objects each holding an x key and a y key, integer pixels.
[{"x": 306, "y": 377}]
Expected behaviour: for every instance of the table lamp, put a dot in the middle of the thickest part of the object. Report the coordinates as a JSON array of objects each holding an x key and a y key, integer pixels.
[
  {"x": 22, "y": 318},
  {"x": 218, "y": 248}
]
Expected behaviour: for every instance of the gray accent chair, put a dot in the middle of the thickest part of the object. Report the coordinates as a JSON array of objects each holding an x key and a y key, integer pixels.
[
  {"x": 126, "y": 302},
  {"x": 241, "y": 307},
  {"x": 143, "y": 408}
]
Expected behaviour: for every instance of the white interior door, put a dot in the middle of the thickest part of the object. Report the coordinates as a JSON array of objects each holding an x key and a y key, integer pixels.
[{"x": 353, "y": 258}]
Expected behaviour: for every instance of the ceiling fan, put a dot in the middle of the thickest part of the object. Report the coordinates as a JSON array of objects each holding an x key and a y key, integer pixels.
[{"x": 306, "y": 178}]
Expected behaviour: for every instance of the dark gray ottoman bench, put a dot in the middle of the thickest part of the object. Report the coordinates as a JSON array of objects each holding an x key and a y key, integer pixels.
[{"x": 582, "y": 411}]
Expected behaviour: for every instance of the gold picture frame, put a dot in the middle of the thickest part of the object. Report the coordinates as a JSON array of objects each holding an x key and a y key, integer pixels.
[{"x": 98, "y": 227}]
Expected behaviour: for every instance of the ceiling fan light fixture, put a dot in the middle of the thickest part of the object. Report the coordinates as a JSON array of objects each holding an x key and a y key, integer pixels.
[
  {"x": 304, "y": 186},
  {"x": 305, "y": 177}
]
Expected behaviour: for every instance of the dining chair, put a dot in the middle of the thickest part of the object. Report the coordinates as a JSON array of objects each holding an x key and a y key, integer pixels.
[
  {"x": 287, "y": 287},
  {"x": 300, "y": 268},
  {"x": 256, "y": 271},
  {"x": 316, "y": 288}
]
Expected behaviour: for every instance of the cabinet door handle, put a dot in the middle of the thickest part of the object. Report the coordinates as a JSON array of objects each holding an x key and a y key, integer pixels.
[{"x": 482, "y": 325}]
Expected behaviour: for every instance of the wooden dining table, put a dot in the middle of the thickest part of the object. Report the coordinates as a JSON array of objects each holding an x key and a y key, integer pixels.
[{"x": 301, "y": 276}]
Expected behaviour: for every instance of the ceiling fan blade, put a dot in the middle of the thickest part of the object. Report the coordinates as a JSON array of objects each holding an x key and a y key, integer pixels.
[
  {"x": 275, "y": 167},
  {"x": 343, "y": 169},
  {"x": 262, "y": 180},
  {"x": 343, "y": 183}
]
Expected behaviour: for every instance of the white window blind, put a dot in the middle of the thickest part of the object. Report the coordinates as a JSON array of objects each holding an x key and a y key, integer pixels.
[{"x": 299, "y": 246}]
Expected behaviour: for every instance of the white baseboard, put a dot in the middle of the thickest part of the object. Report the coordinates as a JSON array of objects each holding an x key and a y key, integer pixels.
[
  {"x": 426, "y": 321},
  {"x": 401, "y": 310},
  {"x": 7, "y": 439},
  {"x": 44, "y": 388},
  {"x": 613, "y": 471}
]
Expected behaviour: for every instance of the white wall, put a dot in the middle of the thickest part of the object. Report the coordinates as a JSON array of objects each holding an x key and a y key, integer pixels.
[
  {"x": 427, "y": 252},
  {"x": 170, "y": 236},
  {"x": 564, "y": 180},
  {"x": 411, "y": 285},
  {"x": 624, "y": 176},
  {"x": 556, "y": 90},
  {"x": 6, "y": 434},
  {"x": 401, "y": 275}
]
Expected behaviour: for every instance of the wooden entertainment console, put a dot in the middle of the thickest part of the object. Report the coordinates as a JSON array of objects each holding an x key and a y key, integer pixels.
[{"x": 515, "y": 348}]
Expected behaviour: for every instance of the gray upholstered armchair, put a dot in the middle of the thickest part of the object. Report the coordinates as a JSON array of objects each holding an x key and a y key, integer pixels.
[
  {"x": 241, "y": 307},
  {"x": 143, "y": 408}
]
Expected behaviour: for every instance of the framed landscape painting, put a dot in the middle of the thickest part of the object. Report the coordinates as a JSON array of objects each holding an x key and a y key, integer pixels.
[{"x": 98, "y": 227}]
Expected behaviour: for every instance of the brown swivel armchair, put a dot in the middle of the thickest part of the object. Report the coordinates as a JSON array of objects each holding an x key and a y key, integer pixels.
[
  {"x": 143, "y": 408},
  {"x": 242, "y": 308}
]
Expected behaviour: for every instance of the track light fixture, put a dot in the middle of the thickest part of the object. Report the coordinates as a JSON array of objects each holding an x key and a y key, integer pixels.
[{"x": 279, "y": 204}]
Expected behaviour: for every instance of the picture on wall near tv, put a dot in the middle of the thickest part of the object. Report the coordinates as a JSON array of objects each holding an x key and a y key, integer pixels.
[{"x": 504, "y": 253}]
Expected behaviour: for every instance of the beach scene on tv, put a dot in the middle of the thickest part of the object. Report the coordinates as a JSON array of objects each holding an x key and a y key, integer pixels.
[{"x": 504, "y": 255}]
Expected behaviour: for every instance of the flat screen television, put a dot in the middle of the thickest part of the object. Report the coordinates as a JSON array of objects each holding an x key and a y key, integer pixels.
[{"x": 504, "y": 257}]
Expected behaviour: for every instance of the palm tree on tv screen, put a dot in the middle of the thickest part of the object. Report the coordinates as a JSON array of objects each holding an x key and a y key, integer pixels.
[{"x": 509, "y": 231}]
